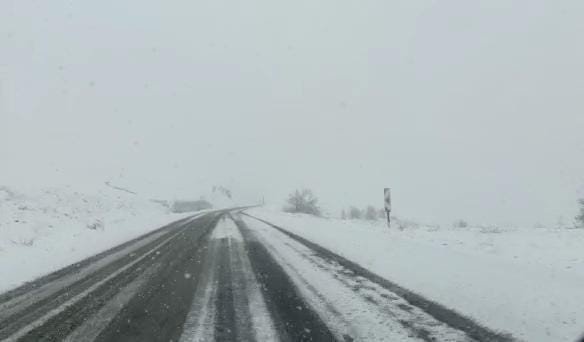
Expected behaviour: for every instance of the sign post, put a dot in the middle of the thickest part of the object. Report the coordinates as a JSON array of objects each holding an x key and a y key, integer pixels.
[{"x": 387, "y": 198}]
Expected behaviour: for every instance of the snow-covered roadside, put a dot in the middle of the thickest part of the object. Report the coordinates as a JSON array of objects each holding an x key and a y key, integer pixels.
[
  {"x": 44, "y": 230},
  {"x": 350, "y": 305},
  {"x": 527, "y": 282}
]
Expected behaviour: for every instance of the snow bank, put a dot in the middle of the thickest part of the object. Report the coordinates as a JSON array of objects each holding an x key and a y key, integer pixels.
[
  {"x": 529, "y": 282},
  {"x": 42, "y": 230}
]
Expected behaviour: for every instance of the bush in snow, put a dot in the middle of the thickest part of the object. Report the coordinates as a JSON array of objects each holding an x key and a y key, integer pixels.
[
  {"x": 580, "y": 217},
  {"x": 355, "y": 213},
  {"x": 460, "y": 224},
  {"x": 371, "y": 213},
  {"x": 302, "y": 201},
  {"x": 402, "y": 224},
  {"x": 490, "y": 229}
]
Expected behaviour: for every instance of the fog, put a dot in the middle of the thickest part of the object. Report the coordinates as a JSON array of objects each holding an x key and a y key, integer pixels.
[{"x": 470, "y": 110}]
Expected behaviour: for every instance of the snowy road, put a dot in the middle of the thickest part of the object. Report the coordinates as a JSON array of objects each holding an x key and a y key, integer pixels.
[{"x": 227, "y": 277}]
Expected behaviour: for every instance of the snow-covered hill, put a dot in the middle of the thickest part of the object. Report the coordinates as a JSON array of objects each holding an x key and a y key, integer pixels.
[{"x": 42, "y": 230}]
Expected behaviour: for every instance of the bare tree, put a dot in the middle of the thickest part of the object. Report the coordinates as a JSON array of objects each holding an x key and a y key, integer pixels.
[
  {"x": 303, "y": 201},
  {"x": 343, "y": 215}
]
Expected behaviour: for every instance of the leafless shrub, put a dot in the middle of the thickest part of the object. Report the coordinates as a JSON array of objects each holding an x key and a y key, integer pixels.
[
  {"x": 404, "y": 224},
  {"x": 460, "y": 224},
  {"x": 303, "y": 201}
]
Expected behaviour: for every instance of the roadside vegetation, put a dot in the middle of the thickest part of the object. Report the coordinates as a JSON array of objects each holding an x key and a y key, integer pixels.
[
  {"x": 580, "y": 216},
  {"x": 303, "y": 201},
  {"x": 369, "y": 213}
]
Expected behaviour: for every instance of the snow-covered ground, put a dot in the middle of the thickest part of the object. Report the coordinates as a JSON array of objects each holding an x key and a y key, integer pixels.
[
  {"x": 42, "y": 230},
  {"x": 529, "y": 282}
]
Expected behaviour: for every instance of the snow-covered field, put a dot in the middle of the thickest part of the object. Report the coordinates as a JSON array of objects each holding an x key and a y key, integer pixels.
[
  {"x": 529, "y": 282},
  {"x": 42, "y": 230}
]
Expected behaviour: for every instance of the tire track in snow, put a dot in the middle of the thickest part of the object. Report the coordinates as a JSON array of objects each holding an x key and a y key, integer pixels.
[
  {"x": 294, "y": 318},
  {"x": 199, "y": 324},
  {"x": 397, "y": 309},
  {"x": 95, "y": 324},
  {"x": 226, "y": 327},
  {"x": 251, "y": 309},
  {"x": 159, "y": 311},
  {"x": 228, "y": 305}
]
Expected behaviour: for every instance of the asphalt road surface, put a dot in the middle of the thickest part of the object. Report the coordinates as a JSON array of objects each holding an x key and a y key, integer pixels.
[{"x": 225, "y": 276}]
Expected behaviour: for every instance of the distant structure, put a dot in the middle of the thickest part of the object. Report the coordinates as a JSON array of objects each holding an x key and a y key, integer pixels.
[{"x": 188, "y": 206}]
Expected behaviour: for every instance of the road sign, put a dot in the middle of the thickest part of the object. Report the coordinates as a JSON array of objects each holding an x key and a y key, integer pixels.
[
  {"x": 387, "y": 200},
  {"x": 387, "y": 195}
]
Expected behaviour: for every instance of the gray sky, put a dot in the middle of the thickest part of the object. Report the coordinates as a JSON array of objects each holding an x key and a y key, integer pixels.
[{"x": 467, "y": 109}]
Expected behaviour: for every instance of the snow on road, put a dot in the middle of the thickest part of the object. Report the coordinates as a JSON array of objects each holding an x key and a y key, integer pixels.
[
  {"x": 526, "y": 282},
  {"x": 250, "y": 314},
  {"x": 42, "y": 230},
  {"x": 351, "y": 306}
]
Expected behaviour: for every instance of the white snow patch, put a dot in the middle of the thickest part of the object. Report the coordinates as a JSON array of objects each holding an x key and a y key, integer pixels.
[
  {"x": 226, "y": 228},
  {"x": 42, "y": 230}
]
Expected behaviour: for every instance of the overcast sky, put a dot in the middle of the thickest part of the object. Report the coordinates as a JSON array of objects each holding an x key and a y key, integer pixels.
[{"x": 466, "y": 109}]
